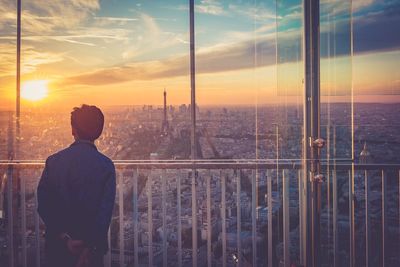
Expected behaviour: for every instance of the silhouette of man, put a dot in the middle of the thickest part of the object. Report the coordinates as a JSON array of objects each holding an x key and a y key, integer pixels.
[{"x": 76, "y": 196}]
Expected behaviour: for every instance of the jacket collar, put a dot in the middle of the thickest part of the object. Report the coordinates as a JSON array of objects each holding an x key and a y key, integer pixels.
[{"x": 84, "y": 142}]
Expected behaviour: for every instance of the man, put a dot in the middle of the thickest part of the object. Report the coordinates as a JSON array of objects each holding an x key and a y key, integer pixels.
[{"x": 76, "y": 196}]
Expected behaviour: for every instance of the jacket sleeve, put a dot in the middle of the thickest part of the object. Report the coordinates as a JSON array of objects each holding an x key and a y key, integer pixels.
[
  {"x": 104, "y": 214},
  {"x": 48, "y": 203}
]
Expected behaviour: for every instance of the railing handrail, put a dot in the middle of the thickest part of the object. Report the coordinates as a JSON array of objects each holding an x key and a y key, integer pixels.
[{"x": 340, "y": 164}]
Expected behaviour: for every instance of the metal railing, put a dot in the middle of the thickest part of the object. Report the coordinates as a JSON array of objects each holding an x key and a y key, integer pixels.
[{"x": 238, "y": 225}]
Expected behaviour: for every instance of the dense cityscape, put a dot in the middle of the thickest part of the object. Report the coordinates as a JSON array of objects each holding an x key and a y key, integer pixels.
[{"x": 234, "y": 133}]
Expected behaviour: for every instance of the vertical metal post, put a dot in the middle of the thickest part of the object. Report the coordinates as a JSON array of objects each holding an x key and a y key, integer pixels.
[
  {"x": 384, "y": 208},
  {"x": 107, "y": 258},
  {"x": 270, "y": 237},
  {"x": 121, "y": 220},
  {"x": 209, "y": 226},
  {"x": 179, "y": 230},
  {"x": 278, "y": 188},
  {"x": 12, "y": 188},
  {"x": 302, "y": 218},
  {"x": 367, "y": 221},
  {"x": 328, "y": 173},
  {"x": 334, "y": 205},
  {"x": 311, "y": 130},
  {"x": 223, "y": 216},
  {"x": 193, "y": 122},
  {"x": 286, "y": 219},
  {"x": 194, "y": 219},
  {"x": 353, "y": 231},
  {"x": 351, "y": 216},
  {"x": 23, "y": 221},
  {"x": 37, "y": 231},
  {"x": 10, "y": 221},
  {"x": 239, "y": 219},
  {"x": 150, "y": 218},
  {"x": 316, "y": 215},
  {"x": 18, "y": 93},
  {"x": 254, "y": 215},
  {"x": 192, "y": 80},
  {"x": 135, "y": 219},
  {"x": 164, "y": 217},
  {"x": 18, "y": 81}
]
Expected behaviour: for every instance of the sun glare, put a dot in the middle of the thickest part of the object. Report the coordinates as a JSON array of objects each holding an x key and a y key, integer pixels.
[{"x": 34, "y": 90}]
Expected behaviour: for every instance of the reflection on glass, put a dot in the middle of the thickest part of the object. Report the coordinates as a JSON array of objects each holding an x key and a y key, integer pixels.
[{"x": 236, "y": 56}]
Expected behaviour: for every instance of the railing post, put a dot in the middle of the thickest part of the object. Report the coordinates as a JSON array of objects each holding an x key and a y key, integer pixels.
[
  {"x": 121, "y": 220},
  {"x": 223, "y": 216},
  {"x": 367, "y": 222},
  {"x": 10, "y": 221},
  {"x": 270, "y": 237},
  {"x": 150, "y": 218},
  {"x": 135, "y": 218},
  {"x": 286, "y": 219},
  {"x": 254, "y": 215},
  {"x": 334, "y": 218},
  {"x": 334, "y": 204},
  {"x": 351, "y": 215},
  {"x": 209, "y": 226},
  {"x": 384, "y": 208},
  {"x": 179, "y": 227},
  {"x": 23, "y": 221},
  {"x": 37, "y": 231},
  {"x": 194, "y": 219},
  {"x": 107, "y": 258},
  {"x": 164, "y": 217},
  {"x": 239, "y": 219},
  {"x": 316, "y": 215}
]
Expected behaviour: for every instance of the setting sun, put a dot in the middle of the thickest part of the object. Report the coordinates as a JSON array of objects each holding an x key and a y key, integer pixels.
[{"x": 34, "y": 90}]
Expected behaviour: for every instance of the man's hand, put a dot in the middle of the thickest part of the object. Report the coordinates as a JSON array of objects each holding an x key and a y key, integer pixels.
[
  {"x": 75, "y": 247},
  {"x": 84, "y": 258}
]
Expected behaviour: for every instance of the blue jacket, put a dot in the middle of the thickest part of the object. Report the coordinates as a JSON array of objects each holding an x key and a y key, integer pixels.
[{"x": 76, "y": 194}]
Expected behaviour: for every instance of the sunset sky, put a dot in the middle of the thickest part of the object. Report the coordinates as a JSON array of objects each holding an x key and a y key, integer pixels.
[{"x": 124, "y": 52}]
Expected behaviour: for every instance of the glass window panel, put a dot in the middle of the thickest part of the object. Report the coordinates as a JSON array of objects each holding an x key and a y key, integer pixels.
[
  {"x": 8, "y": 33},
  {"x": 236, "y": 79},
  {"x": 376, "y": 80},
  {"x": 290, "y": 73},
  {"x": 119, "y": 55},
  {"x": 336, "y": 78}
]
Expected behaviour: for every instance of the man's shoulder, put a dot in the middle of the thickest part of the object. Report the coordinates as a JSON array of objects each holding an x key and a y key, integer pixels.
[
  {"x": 71, "y": 154},
  {"x": 107, "y": 161},
  {"x": 58, "y": 155}
]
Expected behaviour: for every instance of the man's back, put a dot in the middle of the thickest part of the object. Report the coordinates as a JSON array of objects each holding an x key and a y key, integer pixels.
[{"x": 76, "y": 194}]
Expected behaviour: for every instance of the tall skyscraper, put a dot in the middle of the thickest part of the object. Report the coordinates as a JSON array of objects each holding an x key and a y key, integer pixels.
[
  {"x": 365, "y": 156},
  {"x": 165, "y": 125}
]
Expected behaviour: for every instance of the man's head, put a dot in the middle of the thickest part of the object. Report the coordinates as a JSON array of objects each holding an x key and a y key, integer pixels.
[{"x": 87, "y": 122}]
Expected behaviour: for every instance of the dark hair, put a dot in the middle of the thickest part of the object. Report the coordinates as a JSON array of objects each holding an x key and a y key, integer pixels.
[{"x": 88, "y": 122}]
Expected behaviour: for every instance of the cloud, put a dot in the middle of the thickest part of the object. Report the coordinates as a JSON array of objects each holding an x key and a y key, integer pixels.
[
  {"x": 212, "y": 7},
  {"x": 110, "y": 21},
  {"x": 257, "y": 12},
  {"x": 89, "y": 4},
  {"x": 32, "y": 59},
  {"x": 216, "y": 59},
  {"x": 151, "y": 37},
  {"x": 45, "y": 16}
]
